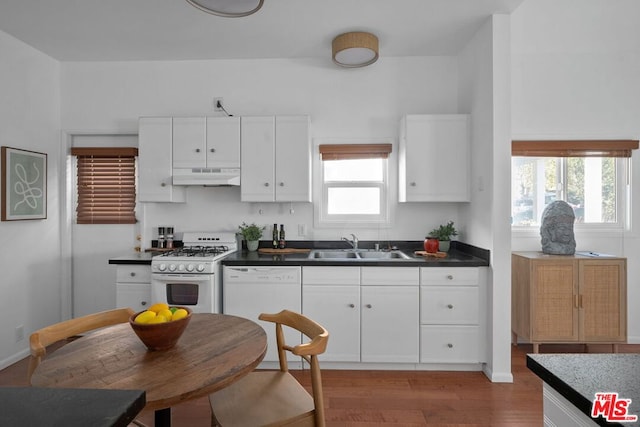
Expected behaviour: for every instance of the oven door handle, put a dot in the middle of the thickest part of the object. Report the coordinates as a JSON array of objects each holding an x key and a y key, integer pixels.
[{"x": 177, "y": 278}]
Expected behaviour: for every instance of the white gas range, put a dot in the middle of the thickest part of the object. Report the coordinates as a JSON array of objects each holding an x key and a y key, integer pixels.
[{"x": 190, "y": 275}]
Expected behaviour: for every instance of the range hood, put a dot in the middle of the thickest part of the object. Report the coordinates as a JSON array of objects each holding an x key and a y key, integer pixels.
[{"x": 213, "y": 177}]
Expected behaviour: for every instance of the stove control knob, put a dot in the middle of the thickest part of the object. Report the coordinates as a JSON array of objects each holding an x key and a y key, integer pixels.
[
  {"x": 190, "y": 267},
  {"x": 200, "y": 268},
  {"x": 180, "y": 267},
  {"x": 172, "y": 267},
  {"x": 162, "y": 267}
]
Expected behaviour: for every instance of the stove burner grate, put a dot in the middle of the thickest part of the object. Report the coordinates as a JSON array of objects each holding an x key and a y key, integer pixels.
[{"x": 198, "y": 251}]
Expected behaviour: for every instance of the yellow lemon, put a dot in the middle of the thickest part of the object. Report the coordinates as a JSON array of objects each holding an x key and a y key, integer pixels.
[
  {"x": 158, "y": 319},
  {"x": 166, "y": 313},
  {"x": 180, "y": 313},
  {"x": 145, "y": 317},
  {"x": 158, "y": 307}
]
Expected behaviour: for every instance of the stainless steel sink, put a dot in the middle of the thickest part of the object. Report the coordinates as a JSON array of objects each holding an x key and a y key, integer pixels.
[
  {"x": 333, "y": 254},
  {"x": 382, "y": 255},
  {"x": 350, "y": 254}
]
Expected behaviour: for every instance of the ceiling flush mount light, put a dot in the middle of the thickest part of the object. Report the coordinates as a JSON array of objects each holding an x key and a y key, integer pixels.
[
  {"x": 355, "y": 49},
  {"x": 228, "y": 8}
]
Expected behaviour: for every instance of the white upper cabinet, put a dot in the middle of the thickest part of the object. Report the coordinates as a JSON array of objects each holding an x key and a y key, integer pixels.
[
  {"x": 206, "y": 142},
  {"x": 155, "y": 161},
  {"x": 276, "y": 159},
  {"x": 434, "y": 158}
]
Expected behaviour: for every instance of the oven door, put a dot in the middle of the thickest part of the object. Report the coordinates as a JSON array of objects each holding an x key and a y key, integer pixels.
[{"x": 196, "y": 291}]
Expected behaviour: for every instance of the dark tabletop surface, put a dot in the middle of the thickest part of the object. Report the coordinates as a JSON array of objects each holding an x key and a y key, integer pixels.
[
  {"x": 578, "y": 377},
  {"x": 64, "y": 407}
]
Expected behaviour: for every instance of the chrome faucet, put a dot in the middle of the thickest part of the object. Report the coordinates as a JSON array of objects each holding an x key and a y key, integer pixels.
[{"x": 353, "y": 243}]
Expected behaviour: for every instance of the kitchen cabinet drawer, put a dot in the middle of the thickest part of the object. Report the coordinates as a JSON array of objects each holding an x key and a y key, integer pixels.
[
  {"x": 133, "y": 274},
  {"x": 441, "y": 276},
  {"x": 449, "y": 305},
  {"x": 330, "y": 276},
  {"x": 449, "y": 344},
  {"x": 390, "y": 276}
]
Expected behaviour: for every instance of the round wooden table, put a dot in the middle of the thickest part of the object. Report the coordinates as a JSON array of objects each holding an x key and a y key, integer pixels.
[{"x": 214, "y": 351}]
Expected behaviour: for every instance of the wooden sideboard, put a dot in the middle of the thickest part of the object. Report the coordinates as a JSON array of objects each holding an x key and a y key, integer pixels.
[{"x": 568, "y": 299}]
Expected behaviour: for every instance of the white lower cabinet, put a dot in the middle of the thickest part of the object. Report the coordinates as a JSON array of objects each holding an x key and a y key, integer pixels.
[
  {"x": 133, "y": 286},
  {"x": 451, "y": 315},
  {"x": 371, "y": 313}
]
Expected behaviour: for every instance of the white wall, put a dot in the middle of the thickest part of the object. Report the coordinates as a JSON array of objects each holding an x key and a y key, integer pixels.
[
  {"x": 30, "y": 261},
  {"x": 575, "y": 68},
  {"x": 342, "y": 103},
  {"x": 484, "y": 92}
]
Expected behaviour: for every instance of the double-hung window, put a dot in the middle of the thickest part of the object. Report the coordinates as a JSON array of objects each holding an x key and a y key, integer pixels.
[
  {"x": 591, "y": 176},
  {"x": 106, "y": 185},
  {"x": 355, "y": 184}
]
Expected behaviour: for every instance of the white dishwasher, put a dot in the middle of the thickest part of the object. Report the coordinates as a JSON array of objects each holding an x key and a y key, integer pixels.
[{"x": 248, "y": 291}]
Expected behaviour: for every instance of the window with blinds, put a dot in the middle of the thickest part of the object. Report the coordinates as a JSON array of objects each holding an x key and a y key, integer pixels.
[{"x": 106, "y": 185}]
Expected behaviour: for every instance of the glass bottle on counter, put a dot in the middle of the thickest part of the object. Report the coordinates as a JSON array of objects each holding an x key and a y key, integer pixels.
[
  {"x": 276, "y": 239},
  {"x": 282, "y": 242}
]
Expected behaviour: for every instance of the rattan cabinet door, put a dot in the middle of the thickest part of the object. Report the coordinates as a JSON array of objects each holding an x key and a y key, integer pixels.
[
  {"x": 603, "y": 300},
  {"x": 555, "y": 313}
]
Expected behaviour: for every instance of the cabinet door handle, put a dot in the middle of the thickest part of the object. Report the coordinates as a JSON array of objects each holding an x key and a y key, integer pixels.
[
  {"x": 369, "y": 306},
  {"x": 450, "y": 345},
  {"x": 132, "y": 274},
  {"x": 143, "y": 303},
  {"x": 266, "y": 184},
  {"x": 450, "y": 306},
  {"x": 213, "y": 150},
  {"x": 413, "y": 184},
  {"x": 576, "y": 303},
  {"x": 449, "y": 277},
  {"x": 580, "y": 301},
  {"x": 281, "y": 184},
  {"x": 352, "y": 306},
  {"x": 197, "y": 150},
  {"x": 164, "y": 184}
]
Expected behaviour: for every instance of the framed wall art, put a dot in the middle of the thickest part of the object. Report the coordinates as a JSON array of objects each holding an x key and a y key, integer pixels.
[{"x": 24, "y": 184}]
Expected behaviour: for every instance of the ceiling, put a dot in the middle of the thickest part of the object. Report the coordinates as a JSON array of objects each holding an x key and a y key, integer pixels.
[{"x": 125, "y": 30}]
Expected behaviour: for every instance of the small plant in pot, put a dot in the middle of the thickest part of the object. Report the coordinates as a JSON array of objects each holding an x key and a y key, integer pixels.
[
  {"x": 444, "y": 234},
  {"x": 252, "y": 234}
]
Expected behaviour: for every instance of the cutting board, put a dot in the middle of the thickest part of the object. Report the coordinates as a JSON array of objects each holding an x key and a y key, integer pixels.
[
  {"x": 429, "y": 254},
  {"x": 273, "y": 251}
]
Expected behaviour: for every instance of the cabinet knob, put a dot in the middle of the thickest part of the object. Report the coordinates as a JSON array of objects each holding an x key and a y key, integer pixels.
[
  {"x": 213, "y": 150},
  {"x": 368, "y": 306},
  {"x": 197, "y": 150},
  {"x": 450, "y": 306},
  {"x": 450, "y": 345},
  {"x": 164, "y": 184},
  {"x": 352, "y": 305},
  {"x": 132, "y": 274},
  {"x": 413, "y": 184},
  {"x": 450, "y": 277},
  {"x": 266, "y": 184},
  {"x": 281, "y": 184},
  {"x": 143, "y": 303}
]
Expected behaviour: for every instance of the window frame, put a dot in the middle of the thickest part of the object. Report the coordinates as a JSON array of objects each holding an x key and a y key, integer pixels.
[
  {"x": 320, "y": 189},
  {"x": 619, "y": 149}
]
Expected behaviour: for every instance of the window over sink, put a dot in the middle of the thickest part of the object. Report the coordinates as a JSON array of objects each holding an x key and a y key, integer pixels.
[{"x": 352, "y": 184}]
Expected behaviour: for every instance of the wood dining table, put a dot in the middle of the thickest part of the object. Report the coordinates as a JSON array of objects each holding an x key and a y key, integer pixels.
[{"x": 214, "y": 351}]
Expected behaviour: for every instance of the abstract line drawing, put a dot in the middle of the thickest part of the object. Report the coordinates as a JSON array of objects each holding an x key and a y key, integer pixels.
[{"x": 24, "y": 184}]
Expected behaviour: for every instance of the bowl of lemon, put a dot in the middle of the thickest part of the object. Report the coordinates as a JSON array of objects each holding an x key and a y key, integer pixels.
[{"x": 160, "y": 326}]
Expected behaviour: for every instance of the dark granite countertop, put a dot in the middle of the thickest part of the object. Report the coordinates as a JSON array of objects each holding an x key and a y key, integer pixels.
[
  {"x": 143, "y": 258},
  {"x": 460, "y": 255},
  {"x": 578, "y": 377}
]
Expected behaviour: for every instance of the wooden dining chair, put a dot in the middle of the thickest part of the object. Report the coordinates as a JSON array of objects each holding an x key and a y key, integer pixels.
[
  {"x": 40, "y": 339},
  {"x": 276, "y": 398}
]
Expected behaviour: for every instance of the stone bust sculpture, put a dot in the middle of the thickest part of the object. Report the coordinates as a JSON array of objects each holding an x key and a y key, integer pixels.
[{"x": 557, "y": 229}]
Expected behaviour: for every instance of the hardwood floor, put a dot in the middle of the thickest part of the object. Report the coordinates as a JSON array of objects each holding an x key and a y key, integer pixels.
[{"x": 402, "y": 398}]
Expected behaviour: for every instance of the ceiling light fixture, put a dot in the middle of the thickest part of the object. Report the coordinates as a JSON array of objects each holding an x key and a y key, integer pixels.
[
  {"x": 228, "y": 8},
  {"x": 355, "y": 49}
]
